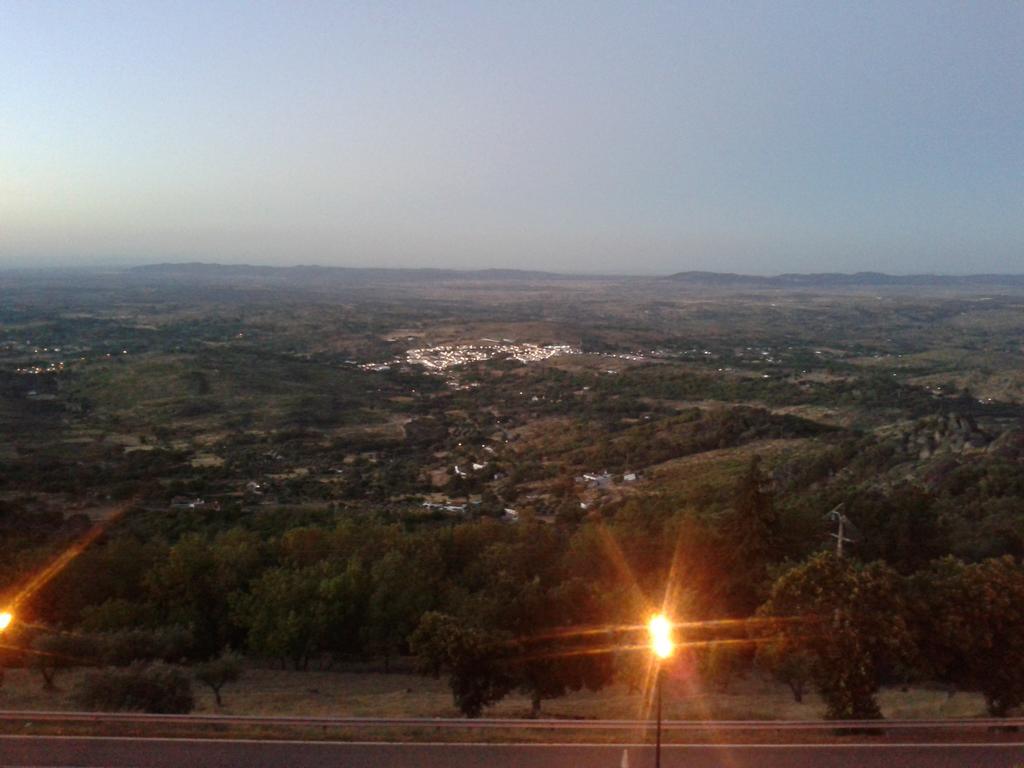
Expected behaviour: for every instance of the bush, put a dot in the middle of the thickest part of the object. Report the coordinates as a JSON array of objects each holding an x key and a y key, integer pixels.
[{"x": 155, "y": 688}]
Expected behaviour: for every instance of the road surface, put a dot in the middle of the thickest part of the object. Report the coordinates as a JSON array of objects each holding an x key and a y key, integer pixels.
[{"x": 95, "y": 752}]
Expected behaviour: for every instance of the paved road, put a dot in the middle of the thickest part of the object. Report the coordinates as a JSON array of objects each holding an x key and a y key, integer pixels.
[{"x": 198, "y": 753}]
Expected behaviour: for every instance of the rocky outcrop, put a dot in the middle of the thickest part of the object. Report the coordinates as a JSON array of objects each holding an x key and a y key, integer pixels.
[{"x": 952, "y": 433}]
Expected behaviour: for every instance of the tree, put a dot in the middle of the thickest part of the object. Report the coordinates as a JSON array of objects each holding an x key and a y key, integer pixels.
[
  {"x": 432, "y": 641},
  {"x": 401, "y": 593},
  {"x": 552, "y": 658},
  {"x": 187, "y": 589},
  {"x": 525, "y": 591},
  {"x": 343, "y": 597},
  {"x": 479, "y": 674},
  {"x": 851, "y": 619},
  {"x": 283, "y": 615},
  {"x": 476, "y": 660},
  {"x": 969, "y": 620},
  {"x": 51, "y": 653},
  {"x": 193, "y": 586},
  {"x": 217, "y": 673},
  {"x": 305, "y": 546},
  {"x": 752, "y": 533},
  {"x": 789, "y": 664}
]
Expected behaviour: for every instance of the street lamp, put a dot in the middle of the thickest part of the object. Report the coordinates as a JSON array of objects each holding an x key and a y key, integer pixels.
[
  {"x": 660, "y": 630},
  {"x": 5, "y": 620}
]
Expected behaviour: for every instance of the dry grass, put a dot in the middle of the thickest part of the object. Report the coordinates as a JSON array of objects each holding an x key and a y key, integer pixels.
[
  {"x": 206, "y": 460},
  {"x": 717, "y": 468},
  {"x": 323, "y": 693},
  {"x": 329, "y": 693}
]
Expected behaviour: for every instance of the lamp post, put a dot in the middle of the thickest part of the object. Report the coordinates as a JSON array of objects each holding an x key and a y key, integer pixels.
[
  {"x": 6, "y": 617},
  {"x": 660, "y": 630}
]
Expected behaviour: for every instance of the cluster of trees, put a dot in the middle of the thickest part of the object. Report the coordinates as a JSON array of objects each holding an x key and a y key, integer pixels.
[
  {"x": 850, "y": 627},
  {"x": 694, "y": 431},
  {"x": 500, "y": 608},
  {"x": 322, "y": 595},
  {"x": 869, "y": 390},
  {"x": 132, "y": 669}
]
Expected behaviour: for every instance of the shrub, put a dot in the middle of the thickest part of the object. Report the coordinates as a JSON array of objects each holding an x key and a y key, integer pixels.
[{"x": 155, "y": 688}]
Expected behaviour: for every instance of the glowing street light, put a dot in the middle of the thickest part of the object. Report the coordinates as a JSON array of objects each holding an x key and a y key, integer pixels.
[
  {"x": 5, "y": 620},
  {"x": 660, "y": 630}
]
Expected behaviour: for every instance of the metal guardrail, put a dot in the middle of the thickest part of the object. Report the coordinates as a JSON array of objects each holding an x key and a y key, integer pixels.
[{"x": 506, "y": 723}]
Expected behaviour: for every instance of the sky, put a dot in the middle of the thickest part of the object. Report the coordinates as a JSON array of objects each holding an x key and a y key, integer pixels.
[{"x": 591, "y": 136}]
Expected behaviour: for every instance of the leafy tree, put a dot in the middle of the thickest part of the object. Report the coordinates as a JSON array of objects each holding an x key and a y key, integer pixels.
[
  {"x": 343, "y": 596},
  {"x": 401, "y": 594},
  {"x": 969, "y": 620},
  {"x": 51, "y": 653},
  {"x": 789, "y": 664},
  {"x": 852, "y": 622},
  {"x": 188, "y": 591},
  {"x": 752, "y": 535},
  {"x": 305, "y": 546},
  {"x": 479, "y": 676},
  {"x": 193, "y": 586},
  {"x": 476, "y": 660},
  {"x": 549, "y": 661},
  {"x": 523, "y": 590},
  {"x": 216, "y": 673},
  {"x": 433, "y": 640},
  {"x": 283, "y": 615}
]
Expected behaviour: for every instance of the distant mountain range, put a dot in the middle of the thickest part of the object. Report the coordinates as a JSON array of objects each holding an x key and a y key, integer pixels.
[
  {"x": 220, "y": 273},
  {"x": 305, "y": 273},
  {"x": 845, "y": 280}
]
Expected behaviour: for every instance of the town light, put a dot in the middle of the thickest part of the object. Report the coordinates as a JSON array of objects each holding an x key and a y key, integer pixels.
[
  {"x": 5, "y": 620},
  {"x": 660, "y": 629}
]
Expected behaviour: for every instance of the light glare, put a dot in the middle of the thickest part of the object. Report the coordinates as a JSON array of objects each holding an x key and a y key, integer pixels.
[
  {"x": 660, "y": 629},
  {"x": 5, "y": 620}
]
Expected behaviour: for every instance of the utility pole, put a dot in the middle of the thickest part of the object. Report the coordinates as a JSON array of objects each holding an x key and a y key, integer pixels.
[
  {"x": 839, "y": 538},
  {"x": 662, "y": 646},
  {"x": 837, "y": 516},
  {"x": 657, "y": 745}
]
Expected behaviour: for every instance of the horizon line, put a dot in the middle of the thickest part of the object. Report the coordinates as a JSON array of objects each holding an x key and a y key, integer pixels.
[{"x": 100, "y": 267}]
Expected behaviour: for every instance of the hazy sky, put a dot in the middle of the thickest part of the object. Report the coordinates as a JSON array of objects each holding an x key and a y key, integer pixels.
[{"x": 573, "y": 136}]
